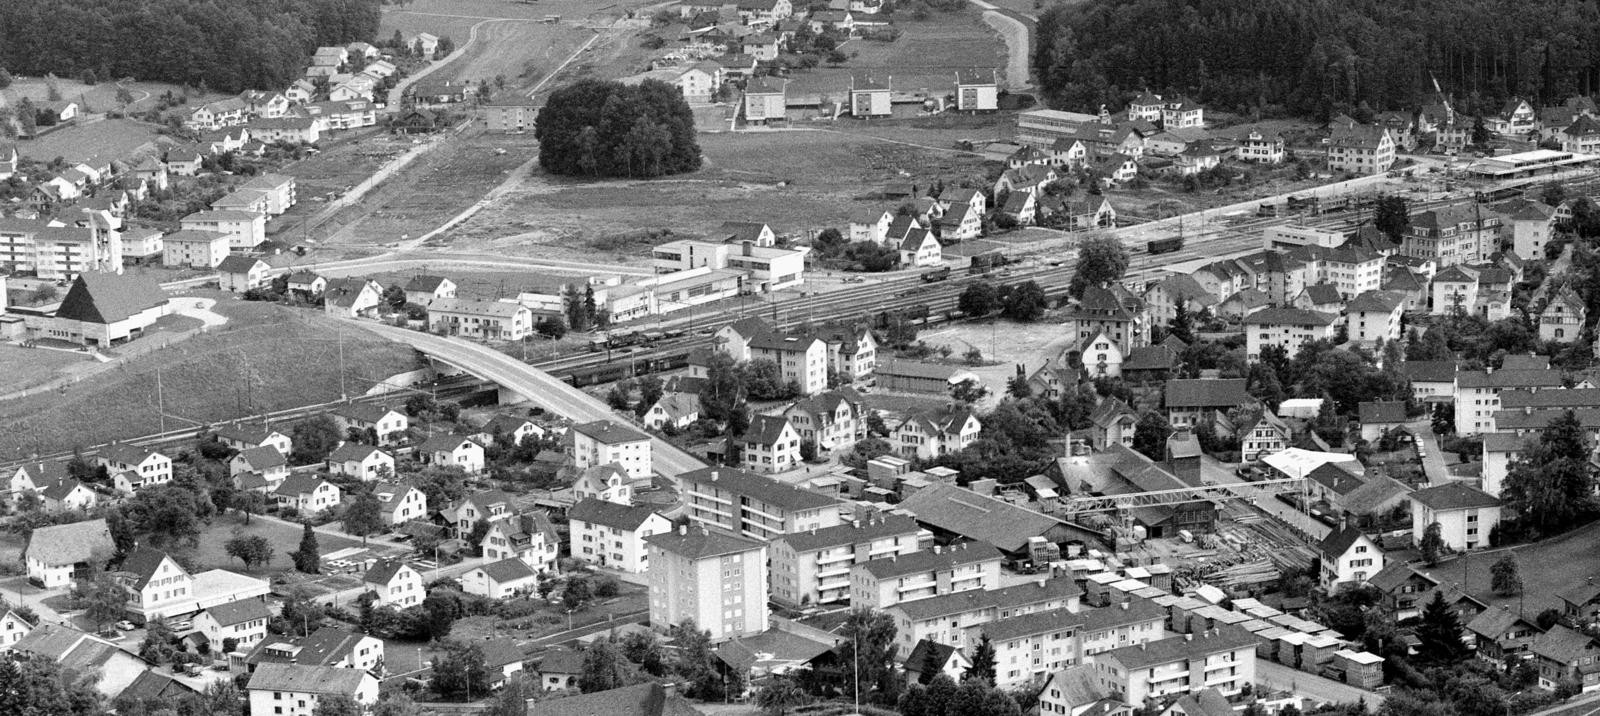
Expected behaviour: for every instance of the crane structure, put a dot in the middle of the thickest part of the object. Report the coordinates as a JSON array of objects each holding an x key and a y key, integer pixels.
[{"x": 1111, "y": 503}]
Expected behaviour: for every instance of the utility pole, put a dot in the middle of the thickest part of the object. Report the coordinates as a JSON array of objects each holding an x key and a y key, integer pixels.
[{"x": 161, "y": 405}]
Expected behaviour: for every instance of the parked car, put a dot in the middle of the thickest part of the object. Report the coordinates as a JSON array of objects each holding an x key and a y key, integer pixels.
[{"x": 125, "y": 625}]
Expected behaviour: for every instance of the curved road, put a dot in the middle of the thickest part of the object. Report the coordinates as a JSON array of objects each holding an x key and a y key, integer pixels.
[{"x": 534, "y": 384}]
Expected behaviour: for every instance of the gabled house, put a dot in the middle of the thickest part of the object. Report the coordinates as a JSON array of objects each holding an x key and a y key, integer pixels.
[
  {"x": 58, "y": 554},
  {"x": 1562, "y": 317},
  {"x": 362, "y": 461},
  {"x": 1375, "y": 316},
  {"x": 1113, "y": 423},
  {"x": 271, "y": 686},
  {"x": 265, "y": 461},
  {"x": 929, "y": 434},
  {"x": 603, "y": 482},
  {"x": 1379, "y": 417},
  {"x": 1466, "y": 515},
  {"x": 352, "y": 297},
  {"x": 1503, "y": 637},
  {"x": 133, "y": 468},
  {"x": 245, "y": 437},
  {"x": 528, "y": 536},
  {"x": 454, "y": 450},
  {"x": 770, "y": 445},
  {"x": 1192, "y": 401},
  {"x": 612, "y": 535},
  {"x": 67, "y": 496},
  {"x": 1349, "y": 558},
  {"x": 514, "y": 430},
  {"x": 402, "y": 502},
  {"x": 832, "y": 421},
  {"x": 307, "y": 493},
  {"x": 386, "y": 424},
  {"x": 505, "y": 579},
  {"x": 1099, "y": 355},
  {"x": 1266, "y": 435},
  {"x": 1567, "y": 656},
  {"x": 155, "y": 586},
  {"x": 394, "y": 583}
]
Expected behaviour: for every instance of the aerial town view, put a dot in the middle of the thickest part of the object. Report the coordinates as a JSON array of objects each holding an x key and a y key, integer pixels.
[{"x": 782, "y": 358}]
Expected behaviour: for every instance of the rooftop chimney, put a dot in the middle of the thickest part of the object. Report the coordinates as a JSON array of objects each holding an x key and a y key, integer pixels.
[{"x": 683, "y": 529}]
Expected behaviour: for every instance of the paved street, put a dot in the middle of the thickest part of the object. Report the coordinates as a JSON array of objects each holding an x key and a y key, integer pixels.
[
  {"x": 1282, "y": 678},
  {"x": 1433, "y": 465},
  {"x": 530, "y": 382}
]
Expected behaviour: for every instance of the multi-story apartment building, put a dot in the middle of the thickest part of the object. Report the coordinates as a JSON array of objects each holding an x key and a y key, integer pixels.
[
  {"x": 54, "y": 250},
  {"x": 802, "y": 360},
  {"x": 604, "y": 442},
  {"x": 1286, "y": 328},
  {"x": 1456, "y": 234},
  {"x": 245, "y": 229},
  {"x": 1360, "y": 149},
  {"x": 1352, "y": 270},
  {"x": 813, "y": 567},
  {"x": 766, "y": 268},
  {"x": 714, "y": 578},
  {"x": 1031, "y": 646},
  {"x": 612, "y": 535},
  {"x": 1223, "y": 659},
  {"x": 948, "y": 619},
  {"x": 887, "y": 581},
  {"x": 754, "y": 506},
  {"x": 1478, "y": 394},
  {"x": 1375, "y": 316}
]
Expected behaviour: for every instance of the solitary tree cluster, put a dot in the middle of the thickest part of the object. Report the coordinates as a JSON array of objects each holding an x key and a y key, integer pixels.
[{"x": 596, "y": 128}]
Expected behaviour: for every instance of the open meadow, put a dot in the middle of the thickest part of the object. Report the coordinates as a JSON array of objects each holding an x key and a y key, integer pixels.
[
  {"x": 924, "y": 58},
  {"x": 117, "y": 138},
  {"x": 268, "y": 357},
  {"x": 97, "y": 98},
  {"x": 794, "y": 180}
]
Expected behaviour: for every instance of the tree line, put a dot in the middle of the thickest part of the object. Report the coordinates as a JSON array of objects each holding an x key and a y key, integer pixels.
[
  {"x": 230, "y": 47},
  {"x": 1318, "y": 57}
]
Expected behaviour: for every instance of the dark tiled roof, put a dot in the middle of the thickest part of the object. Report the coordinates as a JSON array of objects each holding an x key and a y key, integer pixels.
[
  {"x": 979, "y": 517},
  {"x": 610, "y": 514},
  {"x": 936, "y": 559},
  {"x": 240, "y": 611},
  {"x": 1392, "y": 411},
  {"x": 104, "y": 298},
  {"x": 1429, "y": 371},
  {"x": 1454, "y": 496},
  {"x": 1339, "y": 542},
  {"x": 1203, "y": 393},
  {"x": 1164, "y": 651},
  {"x": 765, "y": 489},
  {"x": 1039, "y": 592},
  {"x": 640, "y": 700},
  {"x": 698, "y": 543},
  {"x": 852, "y": 533},
  {"x": 71, "y": 543},
  {"x": 610, "y": 432}
]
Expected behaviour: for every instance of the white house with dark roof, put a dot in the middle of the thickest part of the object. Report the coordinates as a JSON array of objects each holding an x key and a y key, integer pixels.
[
  {"x": 1349, "y": 557},
  {"x": 68, "y": 495},
  {"x": 476, "y": 318},
  {"x": 1562, "y": 317},
  {"x": 1378, "y": 417},
  {"x": 603, "y": 482},
  {"x": 453, "y": 450},
  {"x": 833, "y": 420},
  {"x": 931, "y": 433},
  {"x": 1478, "y": 394},
  {"x": 1223, "y": 659},
  {"x": 1374, "y": 316},
  {"x": 244, "y": 621},
  {"x": 394, "y": 583},
  {"x": 57, "y": 554},
  {"x": 770, "y": 444},
  {"x": 102, "y": 310},
  {"x": 1286, "y": 328},
  {"x": 514, "y": 429},
  {"x": 244, "y": 229},
  {"x": 977, "y": 90},
  {"x": 361, "y": 461},
  {"x": 264, "y": 460},
  {"x": 332, "y": 646},
  {"x": 503, "y": 579},
  {"x": 604, "y": 442},
  {"x": 109, "y": 669},
  {"x": 148, "y": 467},
  {"x": 612, "y": 535},
  {"x": 387, "y": 423},
  {"x": 1466, "y": 515},
  {"x": 528, "y": 536},
  {"x": 675, "y": 409},
  {"x": 245, "y": 437},
  {"x": 237, "y": 273},
  {"x": 1360, "y": 149},
  {"x": 352, "y": 297},
  {"x": 307, "y": 493},
  {"x": 155, "y": 585},
  {"x": 12, "y": 629},
  {"x": 296, "y": 690},
  {"x": 402, "y": 502}
]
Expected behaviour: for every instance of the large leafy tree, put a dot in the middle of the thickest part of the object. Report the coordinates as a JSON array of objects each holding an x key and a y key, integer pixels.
[
  {"x": 1101, "y": 259},
  {"x": 602, "y": 128},
  {"x": 1552, "y": 484},
  {"x": 461, "y": 672}
]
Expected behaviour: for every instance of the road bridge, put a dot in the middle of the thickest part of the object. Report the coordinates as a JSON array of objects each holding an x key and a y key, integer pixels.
[{"x": 530, "y": 383}]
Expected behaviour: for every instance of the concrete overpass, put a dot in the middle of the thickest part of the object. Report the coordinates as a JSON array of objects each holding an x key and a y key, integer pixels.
[{"x": 529, "y": 382}]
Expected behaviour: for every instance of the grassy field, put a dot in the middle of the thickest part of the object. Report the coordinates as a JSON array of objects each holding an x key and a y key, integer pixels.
[
  {"x": 268, "y": 358},
  {"x": 99, "y": 98},
  {"x": 212, "y": 552},
  {"x": 792, "y": 180},
  {"x": 435, "y": 188},
  {"x": 923, "y": 59},
  {"x": 520, "y": 51},
  {"x": 25, "y": 367},
  {"x": 1547, "y": 568},
  {"x": 1003, "y": 344},
  {"x": 111, "y": 138}
]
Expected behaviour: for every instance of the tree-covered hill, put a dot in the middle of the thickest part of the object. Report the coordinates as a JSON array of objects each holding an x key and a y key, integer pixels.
[
  {"x": 228, "y": 45},
  {"x": 1317, "y": 57}
]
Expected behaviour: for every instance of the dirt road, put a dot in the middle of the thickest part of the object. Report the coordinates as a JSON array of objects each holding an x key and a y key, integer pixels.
[{"x": 1019, "y": 44}]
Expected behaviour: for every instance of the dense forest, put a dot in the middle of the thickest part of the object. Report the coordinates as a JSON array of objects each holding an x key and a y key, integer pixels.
[
  {"x": 225, "y": 45},
  {"x": 1318, "y": 57},
  {"x": 596, "y": 128}
]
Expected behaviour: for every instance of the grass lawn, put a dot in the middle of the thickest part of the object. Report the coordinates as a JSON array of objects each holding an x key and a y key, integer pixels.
[
  {"x": 212, "y": 551},
  {"x": 923, "y": 59},
  {"x": 29, "y": 367},
  {"x": 1547, "y": 568},
  {"x": 273, "y": 358},
  {"x": 110, "y": 138},
  {"x": 792, "y": 180},
  {"x": 1003, "y": 344}
]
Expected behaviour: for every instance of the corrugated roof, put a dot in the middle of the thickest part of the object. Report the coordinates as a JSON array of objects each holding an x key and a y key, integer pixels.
[{"x": 986, "y": 519}]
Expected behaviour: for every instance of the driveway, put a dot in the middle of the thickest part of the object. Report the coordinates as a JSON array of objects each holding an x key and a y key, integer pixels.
[
  {"x": 1282, "y": 678},
  {"x": 1433, "y": 465},
  {"x": 199, "y": 308}
]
